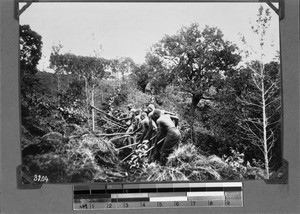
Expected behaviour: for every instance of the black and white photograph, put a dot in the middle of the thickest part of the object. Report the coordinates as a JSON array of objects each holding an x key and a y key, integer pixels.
[{"x": 149, "y": 92}]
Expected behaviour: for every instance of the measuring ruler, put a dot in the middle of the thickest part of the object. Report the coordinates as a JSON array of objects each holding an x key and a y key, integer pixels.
[{"x": 157, "y": 195}]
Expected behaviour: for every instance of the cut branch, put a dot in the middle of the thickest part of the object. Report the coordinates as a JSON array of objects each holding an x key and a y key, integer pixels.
[
  {"x": 114, "y": 134},
  {"x": 108, "y": 115}
]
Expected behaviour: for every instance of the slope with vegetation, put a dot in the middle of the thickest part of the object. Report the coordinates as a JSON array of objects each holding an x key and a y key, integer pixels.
[{"x": 71, "y": 119}]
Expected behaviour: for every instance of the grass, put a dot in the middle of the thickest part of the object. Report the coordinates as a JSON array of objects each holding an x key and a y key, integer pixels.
[{"x": 185, "y": 164}]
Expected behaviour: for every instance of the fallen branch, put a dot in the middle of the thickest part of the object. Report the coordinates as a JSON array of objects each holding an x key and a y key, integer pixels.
[
  {"x": 127, "y": 156},
  {"x": 146, "y": 151},
  {"x": 113, "y": 123},
  {"x": 105, "y": 113},
  {"x": 113, "y": 134}
]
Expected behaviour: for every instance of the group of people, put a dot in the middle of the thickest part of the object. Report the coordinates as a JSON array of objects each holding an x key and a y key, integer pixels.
[{"x": 157, "y": 128}]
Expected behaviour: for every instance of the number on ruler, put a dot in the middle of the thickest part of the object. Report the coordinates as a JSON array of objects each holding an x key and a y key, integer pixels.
[
  {"x": 193, "y": 203},
  {"x": 227, "y": 202},
  {"x": 210, "y": 203},
  {"x": 83, "y": 206},
  {"x": 143, "y": 204},
  {"x": 109, "y": 205},
  {"x": 159, "y": 204},
  {"x": 126, "y": 205},
  {"x": 176, "y": 203}
]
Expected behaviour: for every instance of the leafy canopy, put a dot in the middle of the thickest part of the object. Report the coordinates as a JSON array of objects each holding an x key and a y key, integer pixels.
[
  {"x": 30, "y": 49},
  {"x": 199, "y": 59},
  {"x": 81, "y": 66}
]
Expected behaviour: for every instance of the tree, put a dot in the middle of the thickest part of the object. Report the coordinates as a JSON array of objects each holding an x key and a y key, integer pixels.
[
  {"x": 220, "y": 118},
  {"x": 55, "y": 59},
  {"x": 199, "y": 60},
  {"x": 161, "y": 76},
  {"x": 30, "y": 49},
  {"x": 123, "y": 65},
  {"x": 30, "y": 54},
  {"x": 90, "y": 69},
  {"x": 152, "y": 73},
  {"x": 260, "y": 112},
  {"x": 141, "y": 76}
]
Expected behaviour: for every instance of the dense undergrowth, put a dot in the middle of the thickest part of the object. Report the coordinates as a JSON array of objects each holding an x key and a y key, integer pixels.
[{"x": 58, "y": 143}]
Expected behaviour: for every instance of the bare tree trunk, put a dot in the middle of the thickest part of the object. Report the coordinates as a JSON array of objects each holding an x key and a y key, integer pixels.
[
  {"x": 265, "y": 124},
  {"x": 87, "y": 100},
  {"x": 195, "y": 100},
  {"x": 58, "y": 89},
  {"x": 100, "y": 89},
  {"x": 93, "y": 110},
  {"x": 86, "y": 93},
  {"x": 123, "y": 76},
  {"x": 58, "y": 82}
]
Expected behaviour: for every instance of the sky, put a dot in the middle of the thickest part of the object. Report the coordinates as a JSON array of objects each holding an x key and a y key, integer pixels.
[{"x": 130, "y": 29}]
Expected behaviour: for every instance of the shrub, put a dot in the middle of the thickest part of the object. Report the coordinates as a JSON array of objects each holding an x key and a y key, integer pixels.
[
  {"x": 237, "y": 170},
  {"x": 81, "y": 159},
  {"x": 139, "y": 158},
  {"x": 138, "y": 98},
  {"x": 185, "y": 163},
  {"x": 188, "y": 163}
]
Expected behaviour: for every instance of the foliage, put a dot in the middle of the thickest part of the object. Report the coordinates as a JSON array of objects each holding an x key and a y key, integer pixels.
[
  {"x": 198, "y": 59},
  {"x": 30, "y": 53},
  {"x": 76, "y": 160},
  {"x": 259, "y": 117},
  {"x": 74, "y": 94},
  {"x": 187, "y": 163},
  {"x": 152, "y": 76},
  {"x": 30, "y": 49},
  {"x": 122, "y": 65},
  {"x": 119, "y": 95},
  {"x": 80, "y": 66},
  {"x": 235, "y": 161},
  {"x": 141, "y": 77},
  {"x": 139, "y": 158},
  {"x": 73, "y": 115},
  {"x": 138, "y": 98},
  {"x": 192, "y": 74}
]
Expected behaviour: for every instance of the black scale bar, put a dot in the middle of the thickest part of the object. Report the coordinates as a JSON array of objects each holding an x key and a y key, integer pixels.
[
  {"x": 129, "y": 199},
  {"x": 153, "y": 190}
]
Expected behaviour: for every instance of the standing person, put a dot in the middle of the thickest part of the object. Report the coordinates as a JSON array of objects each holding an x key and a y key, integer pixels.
[
  {"x": 167, "y": 133},
  {"x": 135, "y": 115}
]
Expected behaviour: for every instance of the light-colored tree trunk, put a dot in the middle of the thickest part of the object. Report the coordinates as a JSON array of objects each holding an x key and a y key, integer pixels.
[
  {"x": 86, "y": 93},
  {"x": 265, "y": 123},
  {"x": 259, "y": 132},
  {"x": 58, "y": 88},
  {"x": 93, "y": 111}
]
